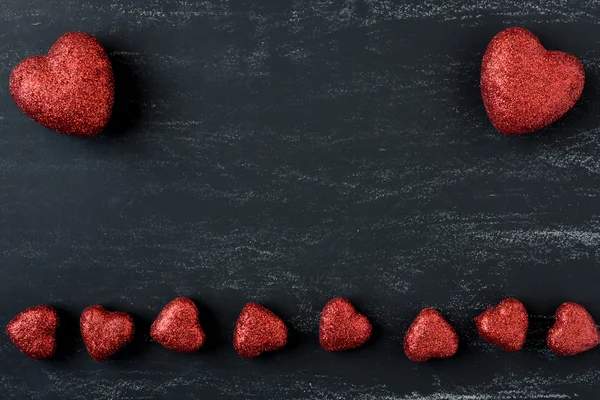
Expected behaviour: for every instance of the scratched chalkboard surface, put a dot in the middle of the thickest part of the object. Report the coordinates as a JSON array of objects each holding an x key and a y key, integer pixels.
[{"x": 290, "y": 151}]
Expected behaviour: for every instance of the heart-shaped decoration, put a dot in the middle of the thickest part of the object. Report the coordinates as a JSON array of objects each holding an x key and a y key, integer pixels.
[
  {"x": 504, "y": 325},
  {"x": 573, "y": 332},
  {"x": 258, "y": 330},
  {"x": 430, "y": 336},
  {"x": 70, "y": 90},
  {"x": 33, "y": 331},
  {"x": 526, "y": 87},
  {"x": 178, "y": 328},
  {"x": 105, "y": 332},
  {"x": 342, "y": 327}
]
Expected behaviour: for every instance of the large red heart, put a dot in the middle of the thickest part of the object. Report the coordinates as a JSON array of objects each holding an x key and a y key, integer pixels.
[
  {"x": 573, "y": 332},
  {"x": 177, "y": 327},
  {"x": 430, "y": 336},
  {"x": 342, "y": 327},
  {"x": 258, "y": 330},
  {"x": 71, "y": 90},
  {"x": 504, "y": 325},
  {"x": 33, "y": 331},
  {"x": 524, "y": 86},
  {"x": 105, "y": 332}
]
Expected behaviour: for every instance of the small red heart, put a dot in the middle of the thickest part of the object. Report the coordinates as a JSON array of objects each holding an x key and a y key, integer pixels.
[
  {"x": 70, "y": 90},
  {"x": 430, "y": 336},
  {"x": 258, "y": 330},
  {"x": 342, "y": 327},
  {"x": 504, "y": 325},
  {"x": 526, "y": 87},
  {"x": 105, "y": 332},
  {"x": 573, "y": 332},
  {"x": 178, "y": 328},
  {"x": 33, "y": 331}
]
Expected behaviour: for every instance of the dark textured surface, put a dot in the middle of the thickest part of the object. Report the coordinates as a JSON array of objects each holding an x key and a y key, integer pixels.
[{"x": 287, "y": 152}]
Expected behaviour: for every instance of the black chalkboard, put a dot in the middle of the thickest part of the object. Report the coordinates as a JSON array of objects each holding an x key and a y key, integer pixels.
[{"x": 290, "y": 151}]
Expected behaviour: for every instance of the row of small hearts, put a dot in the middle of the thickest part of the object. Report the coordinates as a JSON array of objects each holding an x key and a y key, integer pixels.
[
  {"x": 259, "y": 330},
  {"x": 524, "y": 86}
]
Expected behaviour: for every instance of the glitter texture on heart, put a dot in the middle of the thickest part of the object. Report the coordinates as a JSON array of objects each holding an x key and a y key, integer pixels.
[
  {"x": 178, "y": 328},
  {"x": 342, "y": 327},
  {"x": 105, "y": 332},
  {"x": 430, "y": 336},
  {"x": 258, "y": 330},
  {"x": 70, "y": 90},
  {"x": 33, "y": 331},
  {"x": 504, "y": 325},
  {"x": 573, "y": 332},
  {"x": 526, "y": 87}
]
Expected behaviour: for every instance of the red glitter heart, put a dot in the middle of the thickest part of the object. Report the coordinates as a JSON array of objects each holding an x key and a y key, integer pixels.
[
  {"x": 71, "y": 90},
  {"x": 33, "y": 331},
  {"x": 258, "y": 330},
  {"x": 430, "y": 336},
  {"x": 504, "y": 325},
  {"x": 177, "y": 327},
  {"x": 342, "y": 327},
  {"x": 105, "y": 332},
  {"x": 526, "y": 87},
  {"x": 573, "y": 332}
]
